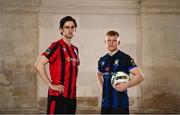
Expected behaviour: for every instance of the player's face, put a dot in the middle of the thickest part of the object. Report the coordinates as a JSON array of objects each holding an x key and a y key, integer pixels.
[
  {"x": 68, "y": 29},
  {"x": 112, "y": 43}
]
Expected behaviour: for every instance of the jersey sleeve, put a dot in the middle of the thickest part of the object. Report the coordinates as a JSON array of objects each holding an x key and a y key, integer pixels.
[
  {"x": 100, "y": 65},
  {"x": 78, "y": 57},
  {"x": 50, "y": 52},
  {"x": 130, "y": 63}
]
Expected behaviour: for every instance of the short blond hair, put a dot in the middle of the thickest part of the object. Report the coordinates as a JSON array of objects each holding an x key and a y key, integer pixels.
[{"x": 112, "y": 33}]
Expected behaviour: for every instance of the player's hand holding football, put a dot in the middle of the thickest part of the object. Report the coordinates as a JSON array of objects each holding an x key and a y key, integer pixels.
[{"x": 121, "y": 86}]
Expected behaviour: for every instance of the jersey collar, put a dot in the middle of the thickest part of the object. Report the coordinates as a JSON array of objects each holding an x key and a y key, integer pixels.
[{"x": 112, "y": 53}]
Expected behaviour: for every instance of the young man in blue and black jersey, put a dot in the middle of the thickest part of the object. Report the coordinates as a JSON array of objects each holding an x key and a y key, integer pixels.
[{"x": 115, "y": 100}]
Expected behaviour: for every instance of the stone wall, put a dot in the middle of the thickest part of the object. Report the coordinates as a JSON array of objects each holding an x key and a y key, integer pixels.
[
  {"x": 161, "y": 56},
  {"x": 18, "y": 49},
  {"x": 149, "y": 31}
]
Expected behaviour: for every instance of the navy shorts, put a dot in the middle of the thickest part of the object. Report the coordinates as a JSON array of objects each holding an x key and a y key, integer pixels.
[{"x": 114, "y": 110}]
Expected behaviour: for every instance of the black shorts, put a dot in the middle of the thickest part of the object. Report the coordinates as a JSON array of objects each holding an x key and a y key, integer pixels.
[
  {"x": 60, "y": 104},
  {"x": 114, "y": 111}
]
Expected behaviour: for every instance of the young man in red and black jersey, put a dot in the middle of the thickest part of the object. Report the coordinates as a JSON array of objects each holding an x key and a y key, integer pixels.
[{"x": 63, "y": 61}]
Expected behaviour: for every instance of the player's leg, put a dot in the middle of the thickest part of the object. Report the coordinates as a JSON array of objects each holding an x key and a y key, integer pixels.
[
  {"x": 56, "y": 105},
  {"x": 106, "y": 110},
  {"x": 120, "y": 111},
  {"x": 50, "y": 105},
  {"x": 72, "y": 105}
]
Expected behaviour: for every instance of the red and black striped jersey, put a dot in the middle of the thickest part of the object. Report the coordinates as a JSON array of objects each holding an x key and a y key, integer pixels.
[{"x": 63, "y": 65}]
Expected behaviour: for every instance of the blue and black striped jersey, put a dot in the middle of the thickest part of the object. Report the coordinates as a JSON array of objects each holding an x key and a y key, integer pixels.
[{"x": 108, "y": 65}]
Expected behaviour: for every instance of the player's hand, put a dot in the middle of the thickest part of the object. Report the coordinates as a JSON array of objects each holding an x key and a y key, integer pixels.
[
  {"x": 59, "y": 88},
  {"x": 121, "y": 86}
]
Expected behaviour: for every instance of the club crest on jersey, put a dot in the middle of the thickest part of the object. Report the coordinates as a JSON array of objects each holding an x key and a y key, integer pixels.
[
  {"x": 64, "y": 49},
  {"x": 76, "y": 52},
  {"x": 116, "y": 62}
]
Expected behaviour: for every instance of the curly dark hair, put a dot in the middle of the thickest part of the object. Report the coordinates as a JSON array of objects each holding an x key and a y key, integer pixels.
[{"x": 65, "y": 19}]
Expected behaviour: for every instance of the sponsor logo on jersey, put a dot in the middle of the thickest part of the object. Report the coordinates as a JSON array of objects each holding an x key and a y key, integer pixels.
[{"x": 71, "y": 59}]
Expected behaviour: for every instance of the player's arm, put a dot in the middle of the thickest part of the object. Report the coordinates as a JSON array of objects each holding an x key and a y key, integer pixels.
[
  {"x": 99, "y": 76},
  {"x": 41, "y": 71},
  {"x": 137, "y": 77}
]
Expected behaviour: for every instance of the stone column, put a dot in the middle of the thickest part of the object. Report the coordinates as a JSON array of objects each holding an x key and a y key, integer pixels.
[
  {"x": 18, "y": 51},
  {"x": 161, "y": 56}
]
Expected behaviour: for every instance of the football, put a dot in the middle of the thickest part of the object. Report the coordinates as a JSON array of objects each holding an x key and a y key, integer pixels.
[{"x": 119, "y": 77}]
